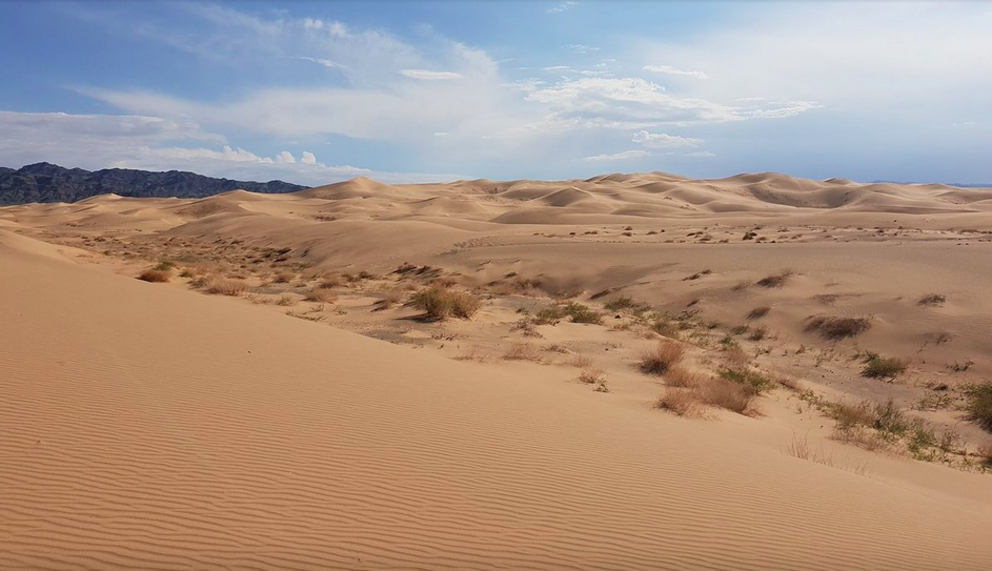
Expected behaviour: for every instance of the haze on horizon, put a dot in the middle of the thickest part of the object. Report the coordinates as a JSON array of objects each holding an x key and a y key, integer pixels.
[{"x": 407, "y": 92}]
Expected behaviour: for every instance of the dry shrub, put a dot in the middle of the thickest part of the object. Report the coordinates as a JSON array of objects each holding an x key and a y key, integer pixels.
[
  {"x": 661, "y": 358},
  {"x": 286, "y": 300},
  {"x": 683, "y": 402},
  {"x": 932, "y": 300},
  {"x": 758, "y": 312},
  {"x": 985, "y": 452},
  {"x": 878, "y": 367},
  {"x": 592, "y": 376},
  {"x": 221, "y": 286},
  {"x": 580, "y": 361},
  {"x": 523, "y": 352},
  {"x": 800, "y": 448},
  {"x": 735, "y": 359},
  {"x": 473, "y": 353},
  {"x": 861, "y": 437},
  {"x": 440, "y": 303},
  {"x": 777, "y": 280},
  {"x": 836, "y": 328},
  {"x": 728, "y": 395},
  {"x": 679, "y": 376},
  {"x": 979, "y": 404},
  {"x": 154, "y": 276},
  {"x": 758, "y": 333},
  {"x": 283, "y": 277},
  {"x": 331, "y": 281},
  {"x": 321, "y": 295}
]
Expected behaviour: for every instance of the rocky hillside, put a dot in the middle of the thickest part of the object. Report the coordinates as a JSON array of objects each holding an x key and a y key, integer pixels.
[{"x": 45, "y": 182}]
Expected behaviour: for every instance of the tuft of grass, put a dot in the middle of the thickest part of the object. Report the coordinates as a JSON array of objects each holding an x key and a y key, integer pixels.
[
  {"x": 592, "y": 376},
  {"x": 154, "y": 276},
  {"x": 321, "y": 295},
  {"x": 164, "y": 266},
  {"x": 932, "y": 300},
  {"x": 979, "y": 404},
  {"x": 666, "y": 328},
  {"x": 681, "y": 401},
  {"x": 625, "y": 303},
  {"x": 775, "y": 281},
  {"x": 750, "y": 380},
  {"x": 878, "y": 367},
  {"x": 283, "y": 277},
  {"x": 837, "y": 328},
  {"x": 661, "y": 358},
  {"x": 758, "y": 333},
  {"x": 286, "y": 300},
  {"x": 679, "y": 376},
  {"x": 523, "y": 352},
  {"x": 580, "y": 361},
  {"x": 577, "y": 312},
  {"x": 758, "y": 312},
  {"x": 440, "y": 303},
  {"x": 727, "y": 395},
  {"x": 220, "y": 286}
]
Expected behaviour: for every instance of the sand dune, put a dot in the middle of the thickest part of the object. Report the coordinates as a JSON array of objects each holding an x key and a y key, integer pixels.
[{"x": 148, "y": 426}]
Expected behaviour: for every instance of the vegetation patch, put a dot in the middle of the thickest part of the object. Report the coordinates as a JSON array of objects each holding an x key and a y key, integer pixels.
[
  {"x": 932, "y": 300},
  {"x": 878, "y": 367},
  {"x": 979, "y": 404},
  {"x": 837, "y": 328},
  {"x": 154, "y": 276},
  {"x": 661, "y": 358},
  {"x": 439, "y": 303}
]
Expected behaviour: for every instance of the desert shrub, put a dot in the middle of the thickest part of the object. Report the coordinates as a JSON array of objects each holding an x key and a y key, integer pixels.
[
  {"x": 321, "y": 295},
  {"x": 681, "y": 401},
  {"x": 932, "y": 299},
  {"x": 661, "y": 358},
  {"x": 154, "y": 276},
  {"x": 666, "y": 328},
  {"x": 441, "y": 303},
  {"x": 523, "y": 352},
  {"x": 739, "y": 329},
  {"x": 198, "y": 283},
  {"x": 777, "y": 280},
  {"x": 728, "y": 395},
  {"x": 758, "y": 312},
  {"x": 286, "y": 300},
  {"x": 222, "y": 286},
  {"x": 758, "y": 333},
  {"x": 678, "y": 376},
  {"x": 626, "y": 303},
  {"x": 592, "y": 376},
  {"x": 580, "y": 361},
  {"x": 985, "y": 453},
  {"x": 577, "y": 312},
  {"x": 836, "y": 328},
  {"x": 187, "y": 273},
  {"x": 164, "y": 266},
  {"x": 752, "y": 381},
  {"x": 979, "y": 404},
  {"x": 878, "y": 367},
  {"x": 283, "y": 277}
]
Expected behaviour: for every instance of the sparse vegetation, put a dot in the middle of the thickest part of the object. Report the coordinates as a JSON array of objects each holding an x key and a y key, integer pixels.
[
  {"x": 661, "y": 358},
  {"x": 440, "y": 303},
  {"x": 775, "y": 281},
  {"x": 679, "y": 376},
  {"x": 577, "y": 312},
  {"x": 523, "y": 352},
  {"x": 837, "y": 328},
  {"x": 321, "y": 295},
  {"x": 592, "y": 376},
  {"x": 758, "y": 333},
  {"x": 758, "y": 312},
  {"x": 979, "y": 404},
  {"x": 878, "y": 367},
  {"x": 625, "y": 303},
  {"x": 932, "y": 300},
  {"x": 220, "y": 286},
  {"x": 154, "y": 276},
  {"x": 681, "y": 401}
]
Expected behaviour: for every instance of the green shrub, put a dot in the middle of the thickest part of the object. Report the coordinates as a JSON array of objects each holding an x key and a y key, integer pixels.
[
  {"x": 878, "y": 367},
  {"x": 979, "y": 404}
]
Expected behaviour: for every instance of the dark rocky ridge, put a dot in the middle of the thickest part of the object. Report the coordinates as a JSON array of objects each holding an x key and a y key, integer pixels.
[{"x": 45, "y": 182}]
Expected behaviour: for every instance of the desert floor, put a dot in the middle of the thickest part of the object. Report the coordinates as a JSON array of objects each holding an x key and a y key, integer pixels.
[{"x": 275, "y": 397}]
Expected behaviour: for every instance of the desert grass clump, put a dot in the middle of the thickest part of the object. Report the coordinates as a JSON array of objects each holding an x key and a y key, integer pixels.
[
  {"x": 878, "y": 367},
  {"x": 154, "y": 276},
  {"x": 321, "y": 295},
  {"x": 758, "y": 312},
  {"x": 576, "y": 312},
  {"x": 979, "y": 404},
  {"x": 837, "y": 328},
  {"x": 625, "y": 303},
  {"x": 758, "y": 333},
  {"x": 286, "y": 300},
  {"x": 932, "y": 300},
  {"x": 580, "y": 361},
  {"x": 985, "y": 453},
  {"x": 752, "y": 381},
  {"x": 164, "y": 266},
  {"x": 775, "y": 281},
  {"x": 283, "y": 277},
  {"x": 679, "y": 376},
  {"x": 665, "y": 327},
  {"x": 727, "y": 395},
  {"x": 591, "y": 376},
  {"x": 523, "y": 352},
  {"x": 661, "y": 358},
  {"x": 440, "y": 303},
  {"x": 221, "y": 286},
  {"x": 681, "y": 401}
]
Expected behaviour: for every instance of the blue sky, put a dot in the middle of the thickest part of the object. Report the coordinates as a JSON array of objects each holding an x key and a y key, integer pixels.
[{"x": 315, "y": 92}]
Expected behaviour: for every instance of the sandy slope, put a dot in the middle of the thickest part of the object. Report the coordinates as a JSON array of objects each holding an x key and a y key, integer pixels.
[{"x": 147, "y": 427}]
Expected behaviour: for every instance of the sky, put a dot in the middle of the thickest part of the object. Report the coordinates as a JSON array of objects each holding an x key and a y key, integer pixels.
[{"x": 318, "y": 92}]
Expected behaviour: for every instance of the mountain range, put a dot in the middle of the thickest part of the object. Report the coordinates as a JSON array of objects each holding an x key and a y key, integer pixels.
[{"x": 46, "y": 182}]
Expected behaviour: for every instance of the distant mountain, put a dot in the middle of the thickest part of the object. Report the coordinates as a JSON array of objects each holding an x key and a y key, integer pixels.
[{"x": 45, "y": 182}]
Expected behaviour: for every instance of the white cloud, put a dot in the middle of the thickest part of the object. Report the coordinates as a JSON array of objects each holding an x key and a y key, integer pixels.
[
  {"x": 669, "y": 70},
  {"x": 320, "y": 61},
  {"x": 624, "y": 155},
  {"x": 704, "y": 154},
  {"x": 153, "y": 143},
  {"x": 581, "y": 48},
  {"x": 559, "y": 8},
  {"x": 431, "y": 75},
  {"x": 558, "y": 68},
  {"x": 665, "y": 141}
]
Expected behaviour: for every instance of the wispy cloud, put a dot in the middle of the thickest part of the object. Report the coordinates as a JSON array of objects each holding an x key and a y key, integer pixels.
[
  {"x": 669, "y": 70},
  {"x": 581, "y": 48},
  {"x": 621, "y": 156},
  {"x": 319, "y": 61},
  {"x": 665, "y": 141},
  {"x": 559, "y": 8},
  {"x": 429, "y": 75}
]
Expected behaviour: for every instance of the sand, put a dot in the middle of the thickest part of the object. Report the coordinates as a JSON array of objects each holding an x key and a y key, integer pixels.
[{"x": 149, "y": 426}]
